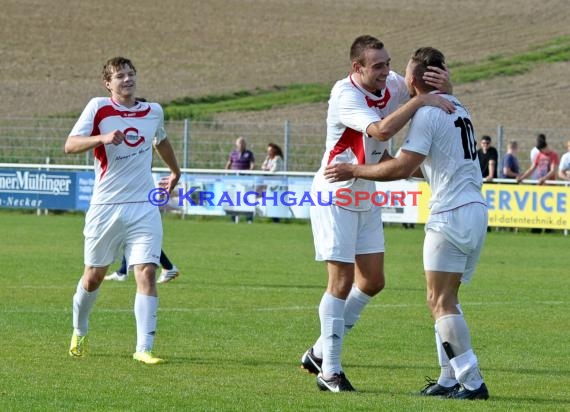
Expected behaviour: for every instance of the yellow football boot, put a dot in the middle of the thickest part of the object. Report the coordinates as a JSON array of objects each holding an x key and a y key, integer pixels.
[
  {"x": 147, "y": 357},
  {"x": 78, "y": 347}
]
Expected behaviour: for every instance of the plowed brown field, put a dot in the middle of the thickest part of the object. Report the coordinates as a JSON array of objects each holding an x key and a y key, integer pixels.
[{"x": 52, "y": 50}]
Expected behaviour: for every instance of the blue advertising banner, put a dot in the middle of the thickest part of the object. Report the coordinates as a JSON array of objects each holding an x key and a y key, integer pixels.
[
  {"x": 281, "y": 196},
  {"x": 39, "y": 189},
  {"x": 84, "y": 182},
  {"x": 276, "y": 196}
]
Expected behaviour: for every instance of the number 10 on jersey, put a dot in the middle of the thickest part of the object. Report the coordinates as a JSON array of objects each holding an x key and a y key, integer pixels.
[{"x": 467, "y": 137}]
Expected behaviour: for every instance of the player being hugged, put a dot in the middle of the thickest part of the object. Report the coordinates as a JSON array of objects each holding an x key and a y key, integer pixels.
[
  {"x": 365, "y": 110},
  {"x": 122, "y": 131},
  {"x": 443, "y": 146}
]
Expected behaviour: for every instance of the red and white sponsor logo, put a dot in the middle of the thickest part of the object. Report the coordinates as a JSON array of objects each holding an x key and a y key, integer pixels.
[{"x": 132, "y": 138}]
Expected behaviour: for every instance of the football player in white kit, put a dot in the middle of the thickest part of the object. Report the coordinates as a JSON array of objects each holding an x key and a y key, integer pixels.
[
  {"x": 443, "y": 146},
  {"x": 122, "y": 132},
  {"x": 365, "y": 110}
]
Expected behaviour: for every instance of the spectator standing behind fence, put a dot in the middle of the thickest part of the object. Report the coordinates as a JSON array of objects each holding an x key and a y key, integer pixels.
[
  {"x": 274, "y": 160},
  {"x": 564, "y": 168},
  {"x": 488, "y": 158},
  {"x": 273, "y": 163},
  {"x": 511, "y": 168},
  {"x": 534, "y": 152},
  {"x": 545, "y": 163},
  {"x": 241, "y": 158},
  {"x": 543, "y": 168}
]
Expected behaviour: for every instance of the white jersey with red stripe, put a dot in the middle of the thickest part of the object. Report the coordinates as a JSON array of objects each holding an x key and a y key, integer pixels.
[
  {"x": 351, "y": 110},
  {"x": 451, "y": 166},
  {"x": 122, "y": 172}
]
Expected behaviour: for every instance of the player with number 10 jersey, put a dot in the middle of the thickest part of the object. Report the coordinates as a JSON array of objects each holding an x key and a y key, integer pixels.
[{"x": 448, "y": 142}]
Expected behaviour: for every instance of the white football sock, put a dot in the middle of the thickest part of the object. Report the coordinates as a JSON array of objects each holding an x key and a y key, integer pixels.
[
  {"x": 331, "y": 312},
  {"x": 453, "y": 330},
  {"x": 447, "y": 375},
  {"x": 145, "y": 315},
  {"x": 83, "y": 302},
  {"x": 467, "y": 371},
  {"x": 355, "y": 304}
]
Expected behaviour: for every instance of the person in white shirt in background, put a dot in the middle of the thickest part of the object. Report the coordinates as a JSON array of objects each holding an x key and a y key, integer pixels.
[{"x": 274, "y": 160}]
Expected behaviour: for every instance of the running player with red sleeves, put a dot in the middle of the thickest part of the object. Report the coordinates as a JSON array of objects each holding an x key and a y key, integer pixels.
[
  {"x": 365, "y": 110},
  {"x": 122, "y": 132}
]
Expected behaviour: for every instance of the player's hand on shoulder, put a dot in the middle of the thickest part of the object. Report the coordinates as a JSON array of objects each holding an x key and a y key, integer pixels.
[{"x": 437, "y": 101}]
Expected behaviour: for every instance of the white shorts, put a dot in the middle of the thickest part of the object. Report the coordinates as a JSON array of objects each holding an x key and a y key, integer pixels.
[
  {"x": 340, "y": 234},
  {"x": 454, "y": 240},
  {"x": 137, "y": 226}
]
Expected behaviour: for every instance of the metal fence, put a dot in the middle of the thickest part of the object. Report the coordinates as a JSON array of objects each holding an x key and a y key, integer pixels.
[{"x": 206, "y": 145}]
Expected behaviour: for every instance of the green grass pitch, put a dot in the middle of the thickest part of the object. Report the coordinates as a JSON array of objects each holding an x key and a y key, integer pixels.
[{"x": 235, "y": 323}]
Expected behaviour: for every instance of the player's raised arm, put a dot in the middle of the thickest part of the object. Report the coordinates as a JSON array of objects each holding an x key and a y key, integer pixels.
[
  {"x": 390, "y": 125},
  {"x": 80, "y": 144}
]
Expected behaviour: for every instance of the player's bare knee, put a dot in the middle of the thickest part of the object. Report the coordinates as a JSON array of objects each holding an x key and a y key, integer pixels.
[
  {"x": 436, "y": 301},
  {"x": 377, "y": 287},
  {"x": 91, "y": 284},
  {"x": 441, "y": 307},
  {"x": 93, "y": 277},
  {"x": 372, "y": 287},
  {"x": 339, "y": 286},
  {"x": 431, "y": 304},
  {"x": 339, "y": 290},
  {"x": 145, "y": 269}
]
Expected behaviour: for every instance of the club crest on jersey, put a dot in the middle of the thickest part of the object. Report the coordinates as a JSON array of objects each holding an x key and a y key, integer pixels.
[{"x": 132, "y": 138}]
